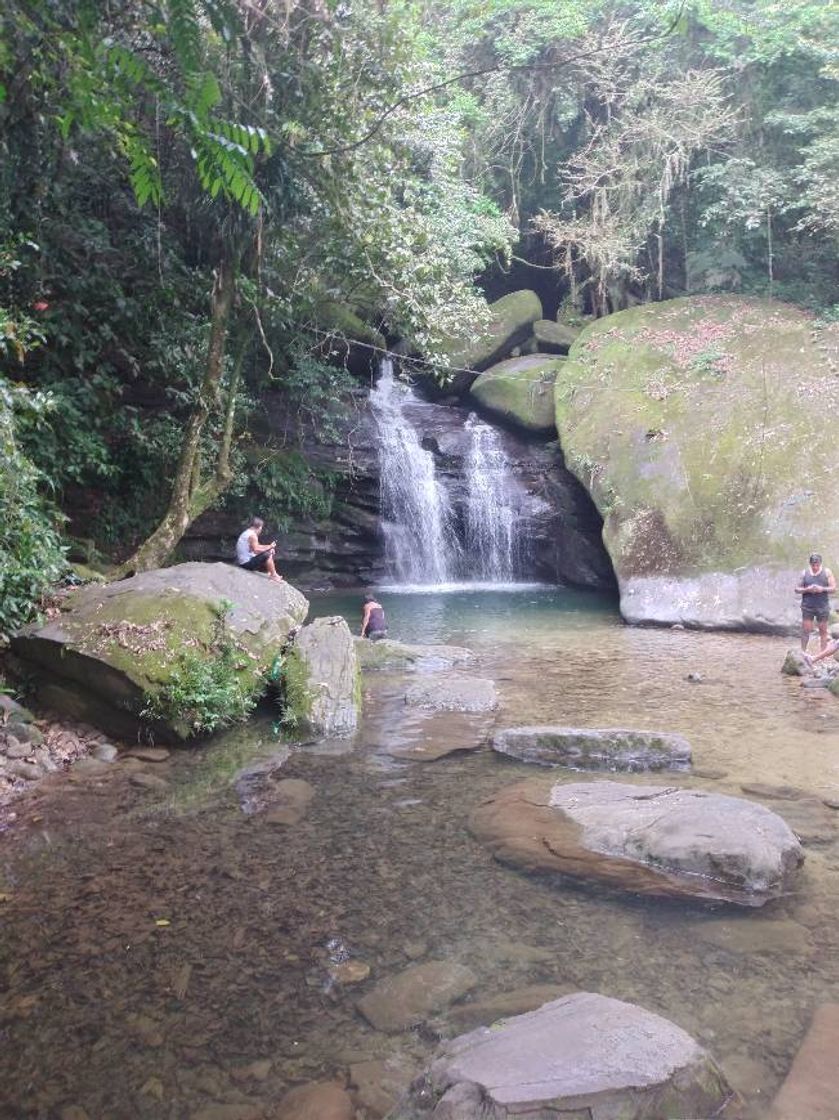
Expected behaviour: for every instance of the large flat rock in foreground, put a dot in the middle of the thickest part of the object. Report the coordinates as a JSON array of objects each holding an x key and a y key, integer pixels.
[
  {"x": 114, "y": 645},
  {"x": 590, "y": 748},
  {"x": 584, "y": 1055},
  {"x": 654, "y": 840}
]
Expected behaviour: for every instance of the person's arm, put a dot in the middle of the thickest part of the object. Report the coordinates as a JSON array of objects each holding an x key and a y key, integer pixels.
[
  {"x": 802, "y": 585},
  {"x": 365, "y": 618},
  {"x": 831, "y": 580}
]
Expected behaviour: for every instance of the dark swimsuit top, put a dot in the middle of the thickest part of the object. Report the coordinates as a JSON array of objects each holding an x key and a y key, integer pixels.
[{"x": 815, "y": 600}]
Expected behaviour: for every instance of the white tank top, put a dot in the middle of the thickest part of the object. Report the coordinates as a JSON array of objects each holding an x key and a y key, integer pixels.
[{"x": 243, "y": 547}]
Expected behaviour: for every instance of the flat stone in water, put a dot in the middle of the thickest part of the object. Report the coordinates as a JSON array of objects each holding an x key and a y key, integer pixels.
[
  {"x": 648, "y": 839},
  {"x": 315, "y": 1101},
  {"x": 589, "y": 748},
  {"x": 750, "y": 935},
  {"x": 409, "y": 997},
  {"x": 451, "y": 693},
  {"x": 582, "y": 1054},
  {"x": 149, "y": 754},
  {"x": 810, "y": 820},
  {"x": 147, "y": 781},
  {"x": 482, "y": 1012}
]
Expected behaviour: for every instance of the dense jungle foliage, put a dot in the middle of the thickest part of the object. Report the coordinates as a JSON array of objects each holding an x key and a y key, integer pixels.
[{"x": 199, "y": 199}]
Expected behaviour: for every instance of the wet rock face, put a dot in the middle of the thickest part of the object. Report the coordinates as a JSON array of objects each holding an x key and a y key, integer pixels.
[
  {"x": 555, "y": 514},
  {"x": 653, "y": 840},
  {"x": 710, "y": 505},
  {"x": 589, "y": 748},
  {"x": 115, "y": 644},
  {"x": 388, "y": 654},
  {"x": 582, "y": 1055}
]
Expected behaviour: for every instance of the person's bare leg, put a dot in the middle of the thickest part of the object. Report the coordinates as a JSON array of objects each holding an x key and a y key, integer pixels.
[
  {"x": 272, "y": 571},
  {"x": 823, "y": 635},
  {"x": 806, "y": 631}
]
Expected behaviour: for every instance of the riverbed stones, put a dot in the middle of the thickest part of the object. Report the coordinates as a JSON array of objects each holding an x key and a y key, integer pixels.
[
  {"x": 589, "y": 748},
  {"x": 409, "y": 997},
  {"x": 655, "y": 840},
  {"x": 453, "y": 693},
  {"x": 796, "y": 664},
  {"x": 389, "y": 654},
  {"x": 707, "y": 534},
  {"x": 584, "y": 1055},
  {"x": 811, "y": 1088},
  {"x": 519, "y": 391},
  {"x": 481, "y": 1012},
  {"x": 116, "y": 644},
  {"x": 325, "y": 693}
]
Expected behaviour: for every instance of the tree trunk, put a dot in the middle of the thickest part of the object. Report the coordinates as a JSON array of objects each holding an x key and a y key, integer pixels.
[{"x": 190, "y": 497}]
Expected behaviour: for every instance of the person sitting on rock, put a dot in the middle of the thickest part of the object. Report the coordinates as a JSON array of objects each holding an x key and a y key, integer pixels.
[
  {"x": 814, "y": 587},
  {"x": 256, "y": 557},
  {"x": 373, "y": 623}
]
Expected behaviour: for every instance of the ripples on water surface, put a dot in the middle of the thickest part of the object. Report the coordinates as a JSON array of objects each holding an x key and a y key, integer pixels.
[{"x": 109, "y": 1010}]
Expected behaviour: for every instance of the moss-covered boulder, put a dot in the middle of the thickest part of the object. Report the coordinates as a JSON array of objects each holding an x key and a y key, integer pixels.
[
  {"x": 705, "y": 430},
  {"x": 520, "y": 392},
  {"x": 323, "y": 680},
  {"x": 116, "y": 648},
  {"x": 554, "y": 338},
  {"x": 510, "y": 323}
]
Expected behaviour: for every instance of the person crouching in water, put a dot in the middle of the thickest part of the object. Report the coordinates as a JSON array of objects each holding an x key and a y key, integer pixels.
[
  {"x": 256, "y": 557},
  {"x": 373, "y": 622}
]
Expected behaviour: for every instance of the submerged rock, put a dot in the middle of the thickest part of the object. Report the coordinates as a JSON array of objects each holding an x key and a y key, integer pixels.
[
  {"x": 324, "y": 690},
  {"x": 708, "y": 533},
  {"x": 388, "y": 654},
  {"x": 796, "y": 664},
  {"x": 582, "y": 1055},
  {"x": 646, "y": 839},
  {"x": 451, "y": 693},
  {"x": 409, "y": 997},
  {"x": 589, "y": 748},
  {"x": 811, "y": 1088},
  {"x": 318, "y": 1100},
  {"x": 115, "y": 645}
]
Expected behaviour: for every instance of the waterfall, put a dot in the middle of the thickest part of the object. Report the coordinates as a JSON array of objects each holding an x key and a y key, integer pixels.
[
  {"x": 416, "y": 516},
  {"x": 489, "y": 516},
  {"x": 434, "y": 534}
]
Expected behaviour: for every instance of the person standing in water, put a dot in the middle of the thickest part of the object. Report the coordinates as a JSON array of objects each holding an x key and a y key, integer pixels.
[
  {"x": 814, "y": 587},
  {"x": 373, "y": 622}
]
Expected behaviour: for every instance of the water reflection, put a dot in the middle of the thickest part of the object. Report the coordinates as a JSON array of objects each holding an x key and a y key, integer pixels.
[{"x": 109, "y": 1010}]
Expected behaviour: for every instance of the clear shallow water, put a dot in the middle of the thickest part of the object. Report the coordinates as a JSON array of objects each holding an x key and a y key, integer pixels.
[{"x": 106, "y": 1009}]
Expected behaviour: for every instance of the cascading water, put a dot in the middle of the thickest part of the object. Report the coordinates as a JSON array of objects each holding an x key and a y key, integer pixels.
[
  {"x": 416, "y": 516},
  {"x": 490, "y": 519},
  {"x": 431, "y": 538}
]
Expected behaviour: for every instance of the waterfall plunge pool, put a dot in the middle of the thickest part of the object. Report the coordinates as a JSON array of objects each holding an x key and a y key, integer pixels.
[{"x": 107, "y": 1009}]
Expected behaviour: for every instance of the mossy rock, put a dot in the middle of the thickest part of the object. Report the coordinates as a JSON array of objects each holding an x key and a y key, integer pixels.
[
  {"x": 704, "y": 429},
  {"x": 554, "y": 338},
  {"x": 343, "y": 320},
  {"x": 324, "y": 681},
  {"x": 116, "y": 645},
  {"x": 510, "y": 323},
  {"x": 520, "y": 391}
]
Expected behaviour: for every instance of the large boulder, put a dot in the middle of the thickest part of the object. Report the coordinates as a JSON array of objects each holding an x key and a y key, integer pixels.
[
  {"x": 554, "y": 338},
  {"x": 653, "y": 840},
  {"x": 582, "y": 1055},
  {"x": 510, "y": 323},
  {"x": 520, "y": 392},
  {"x": 589, "y": 748},
  {"x": 115, "y": 647},
  {"x": 703, "y": 427},
  {"x": 389, "y": 654},
  {"x": 323, "y": 682}
]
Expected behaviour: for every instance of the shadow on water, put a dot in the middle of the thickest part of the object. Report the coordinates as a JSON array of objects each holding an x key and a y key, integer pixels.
[{"x": 158, "y": 940}]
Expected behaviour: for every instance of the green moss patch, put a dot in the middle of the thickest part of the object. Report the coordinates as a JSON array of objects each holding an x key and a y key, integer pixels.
[{"x": 520, "y": 391}]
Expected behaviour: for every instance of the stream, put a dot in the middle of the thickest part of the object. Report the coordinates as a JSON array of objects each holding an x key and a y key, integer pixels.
[{"x": 164, "y": 951}]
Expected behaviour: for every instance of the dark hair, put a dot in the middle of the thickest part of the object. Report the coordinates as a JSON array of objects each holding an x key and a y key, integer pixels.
[
  {"x": 369, "y": 598},
  {"x": 815, "y": 558}
]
